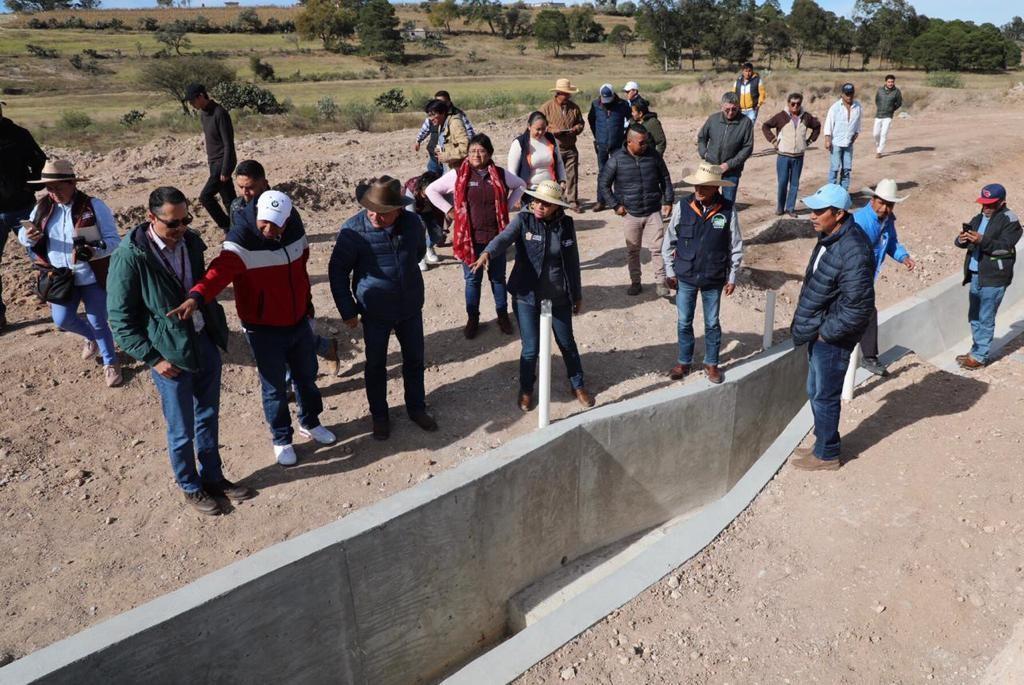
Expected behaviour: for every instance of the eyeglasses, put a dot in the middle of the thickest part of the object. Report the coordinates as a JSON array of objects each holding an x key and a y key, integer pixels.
[
  {"x": 176, "y": 223},
  {"x": 795, "y": 103}
]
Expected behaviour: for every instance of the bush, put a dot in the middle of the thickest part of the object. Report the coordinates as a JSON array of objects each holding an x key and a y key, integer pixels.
[
  {"x": 40, "y": 51},
  {"x": 74, "y": 120},
  {"x": 393, "y": 100},
  {"x": 132, "y": 119},
  {"x": 172, "y": 75},
  {"x": 359, "y": 116},
  {"x": 233, "y": 95},
  {"x": 148, "y": 24},
  {"x": 327, "y": 108},
  {"x": 260, "y": 69},
  {"x": 944, "y": 79}
]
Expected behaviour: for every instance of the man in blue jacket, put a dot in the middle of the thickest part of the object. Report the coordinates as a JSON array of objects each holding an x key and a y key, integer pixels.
[
  {"x": 607, "y": 118},
  {"x": 878, "y": 222},
  {"x": 375, "y": 276},
  {"x": 836, "y": 301}
]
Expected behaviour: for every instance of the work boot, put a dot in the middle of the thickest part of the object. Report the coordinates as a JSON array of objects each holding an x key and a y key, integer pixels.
[
  {"x": 634, "y": 289},
  {"x": 679, "y": 371},
  {"x": 203, "y": 503},
  {"x": 381, "y": 429},
  {"x": 805, "y": 460},
  {"x": 525, "y": 401},
  {"x": 971, "y": 364},
  {"x": 599, "y": 207},
  {"x": 90, "y": 349},
  {"x": 472, "y": 326},
  {"x": 874, "y": 366},
  {"x": 234, "y": 492},
  {"x": 584, "y": 397},
  {"x": 960, "y": 358},
  {"x": 423, "y": 420},
  {"x": 332, "y": 356},
  {"x": 504, "y": 323},
  {"x": 713, "y": 374}
]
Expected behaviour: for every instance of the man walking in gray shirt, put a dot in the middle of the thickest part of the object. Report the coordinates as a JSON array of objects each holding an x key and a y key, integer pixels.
[{"x": 219, "y": 135}]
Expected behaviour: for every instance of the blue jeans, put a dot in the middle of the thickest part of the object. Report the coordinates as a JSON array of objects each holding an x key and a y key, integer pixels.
[
  {"x": 788, "y": 170},
  {"x": 277, "y": 350},
  {"x": 495, "y": 274},
  {"x": 984, "y": 303},
  {"x": 826, "y": 369},
  {"x": 67, "y": 319},
  {"x": 528, "y": 318},
  {"x": 435, "y": 231},
  {"x": 686, "y": 305},
  {"x": 751, "y": 114},
  {"x": 433, "y": 164},
  {"x": 191, "y": 406},
  {"x": 841, "y": 165},
  {"x": 9, "y": 224},
  {"x": 730, "y": 193},
  {"x": 602, "y": 157},
  {"x": 376, "y": 334},
  {"x": 322, "y": 346}
]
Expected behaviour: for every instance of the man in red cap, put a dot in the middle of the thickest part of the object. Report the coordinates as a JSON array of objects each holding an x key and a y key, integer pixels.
[{"x": 990, "y": 240}]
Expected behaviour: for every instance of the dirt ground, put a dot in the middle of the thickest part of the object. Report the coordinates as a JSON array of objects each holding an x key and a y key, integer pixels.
[{"x": 92, "y": 523}]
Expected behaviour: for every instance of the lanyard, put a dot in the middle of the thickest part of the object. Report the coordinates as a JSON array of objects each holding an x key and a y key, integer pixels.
[{"x": 180, "y": 278}]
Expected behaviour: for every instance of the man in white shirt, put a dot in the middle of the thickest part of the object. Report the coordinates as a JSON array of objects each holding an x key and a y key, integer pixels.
[{"x": 842, "y": 126}]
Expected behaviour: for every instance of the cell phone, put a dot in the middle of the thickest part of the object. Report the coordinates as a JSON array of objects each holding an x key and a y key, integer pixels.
[
  {"x": 964, "y": 228},
  {"x": 27, "y": 224}
]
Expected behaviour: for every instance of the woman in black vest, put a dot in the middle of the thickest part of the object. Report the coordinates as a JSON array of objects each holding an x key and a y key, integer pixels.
[
  {"x": 534, "y": 155},
  {"x": 547, "y": 268}
]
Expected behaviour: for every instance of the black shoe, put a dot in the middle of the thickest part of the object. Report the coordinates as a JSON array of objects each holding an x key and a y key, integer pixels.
[
  {"x": 472, "y": 326},
  {"x": 634, "y": 289},
  {"x": 381, "y": 429},
  {"x": 203, "y": 503},
  {"x": 504, "y": 323},
  {"x": 423, "y": 420},
  {"x": 872, "y": 364},
  {"x": 233, "y": 491}
]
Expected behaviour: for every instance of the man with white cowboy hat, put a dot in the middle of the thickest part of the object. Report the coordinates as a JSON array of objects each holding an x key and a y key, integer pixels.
[
  {"x": 68, "y": 229},
  {"x": 565, "y": 123},
  {"x": 878, "y": 222},
  {"x": 266, "y": 262},
  {"x": 702, "y": 249},
  {"x": 376, "y": 280}
]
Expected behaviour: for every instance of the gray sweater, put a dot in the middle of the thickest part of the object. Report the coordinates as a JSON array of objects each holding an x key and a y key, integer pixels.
[
  {"x": 887, "y": 102},
  {"x": 220, "y": 138}
]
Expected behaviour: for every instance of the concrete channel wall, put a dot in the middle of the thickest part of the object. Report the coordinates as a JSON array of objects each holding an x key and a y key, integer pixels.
[{"x": 415, "y": 585}]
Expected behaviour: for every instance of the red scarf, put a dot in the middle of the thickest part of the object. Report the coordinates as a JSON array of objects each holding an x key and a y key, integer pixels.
[{"x": 462, "y": 237}]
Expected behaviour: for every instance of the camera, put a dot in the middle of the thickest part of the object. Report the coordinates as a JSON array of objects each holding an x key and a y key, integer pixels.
[{"x": 84, "y": 250}]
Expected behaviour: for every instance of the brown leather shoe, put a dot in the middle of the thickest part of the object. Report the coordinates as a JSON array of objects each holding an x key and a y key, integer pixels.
[
  {"x": 961, "y": 357},
  {"x": 713, "y": 374},
  {"x": 584, "y": 397},
  {"x": 679, "y": 371},
  {"x": 805, "y": 460},
  {"x": 971, "y": 363},
  {"x": 525, "y": 401},
  {"x": 203, "y": 503},
  {"x": 472, "y": 326},
  {"x": 423, "y": 420},
  {"x": 233, "y": 491},
  {"x": 504, "y": 323}
]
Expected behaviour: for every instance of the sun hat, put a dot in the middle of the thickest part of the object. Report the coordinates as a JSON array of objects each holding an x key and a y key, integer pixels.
[
  {"x": 564, "y": 85},
  {"x": 991, "y": 194},
  {"x": 607, "y": 93},
  {"x": 547, "y": 191},
  {"x": 57, "y": 170},
  {"x": 830, "y": 195},
  {"x": 630, "y": 85},
  {"x": 707, "y": 174},
  {"x": 382, "y": 195},
  {"x": 275, "y": 207},
  {"x": 886, "y": 190}
]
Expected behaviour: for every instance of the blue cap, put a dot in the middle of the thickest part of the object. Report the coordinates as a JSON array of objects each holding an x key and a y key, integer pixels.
[
  {"x": 831, "y": 195},
  {"x": 991, "y": 194}
]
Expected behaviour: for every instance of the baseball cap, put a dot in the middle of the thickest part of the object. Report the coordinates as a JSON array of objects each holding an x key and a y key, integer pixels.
[
  {"x": 831, "y": 195},
  {"x": 848, "y": 88},
  {"x": 194, "y": 90},
  {"x": 991, "y": 194},
  {"x": 607, "y": 93},
  {"x": 630, "y": 85},
  {"x": 273, "y": 206}
]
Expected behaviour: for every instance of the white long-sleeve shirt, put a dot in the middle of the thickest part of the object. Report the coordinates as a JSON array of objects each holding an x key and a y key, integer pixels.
[
  {"x": 540, "y": 161},
  {"x": 60, "y": 230},
  {"x": 668, "y": 244},
  {"x": 439, "y": 190},
  {"x": 842, "y": 124}
]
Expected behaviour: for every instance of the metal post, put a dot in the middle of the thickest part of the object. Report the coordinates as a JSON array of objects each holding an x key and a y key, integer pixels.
[
  {"x": 769, "y": 319},
  {"x": 850, "y": 381},
  {"x": 544, "y": 401}
]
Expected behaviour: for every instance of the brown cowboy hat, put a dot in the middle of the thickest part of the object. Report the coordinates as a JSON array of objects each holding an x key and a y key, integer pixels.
[
  {"x": 382, "y": 195},
  {"x": 57, "y": 170}
]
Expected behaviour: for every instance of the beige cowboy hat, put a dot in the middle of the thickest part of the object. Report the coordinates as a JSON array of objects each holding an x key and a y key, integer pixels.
[
  {"x": 382, "y": 195},
  {"x": 886, "y": 190},
  {"x": 547, "y": 191},
  {"x": 564, "y": 85},
  {"x": 57, "y": 170},
  {"x": 707, "y": 174}
]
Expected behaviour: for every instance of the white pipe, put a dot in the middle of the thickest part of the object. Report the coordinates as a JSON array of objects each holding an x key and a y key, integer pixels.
[
  {"x": 769, "y": 319},
  {"x": 850, "y": 381},
  {"x": 544, "y": 401}
]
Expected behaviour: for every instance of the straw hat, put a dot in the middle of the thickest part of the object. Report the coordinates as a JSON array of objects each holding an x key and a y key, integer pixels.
[
  {"x": 707, "y": 174},
  {"x": 382, "y": 195},
  {"x": 547, "y": 191},
  {"x": 57, "y": 170},
  {"x": 886, "y": 190},
  {"x": 564, "y": 85}
]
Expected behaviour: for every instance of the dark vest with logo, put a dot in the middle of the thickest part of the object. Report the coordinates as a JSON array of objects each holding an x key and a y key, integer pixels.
[
  {"x": 82, "y": 216},
  {"x": 704, "y": 243}
]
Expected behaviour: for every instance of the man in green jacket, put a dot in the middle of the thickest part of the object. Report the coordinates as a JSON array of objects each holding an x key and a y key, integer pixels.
[
  {"x": 150, "y": 274},
  {"x": 888, "y": 99}
]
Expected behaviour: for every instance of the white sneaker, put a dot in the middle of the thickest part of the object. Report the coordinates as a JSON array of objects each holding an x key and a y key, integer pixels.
[
  {"x": 423, "y": 265},
  {"x": 90, "y": 349},
  {"x": 285, "y": 455},
  {"x": 431, "y": 257},
  {"x": 320, "y": 434}
]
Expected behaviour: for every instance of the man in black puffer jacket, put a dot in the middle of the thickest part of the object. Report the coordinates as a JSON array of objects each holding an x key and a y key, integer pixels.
[
  {"x": 636, "y": 180},
  {"x": 836, "y": 302}
]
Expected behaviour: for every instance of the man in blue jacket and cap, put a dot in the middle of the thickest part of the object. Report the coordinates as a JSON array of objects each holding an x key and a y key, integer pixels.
[
  {"x": 836, "y": 301},
  {"x": 607, "y": 119}
]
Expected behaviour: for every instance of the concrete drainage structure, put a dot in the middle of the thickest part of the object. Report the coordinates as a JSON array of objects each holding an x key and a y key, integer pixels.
[{"x": 416, "y": 586}]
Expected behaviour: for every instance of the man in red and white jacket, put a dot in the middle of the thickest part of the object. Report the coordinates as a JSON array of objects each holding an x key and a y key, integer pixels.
[{"x": 265, "y": 257}]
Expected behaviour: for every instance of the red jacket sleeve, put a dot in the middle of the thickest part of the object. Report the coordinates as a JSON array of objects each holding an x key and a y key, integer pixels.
[{"x": 223, "y": 270}]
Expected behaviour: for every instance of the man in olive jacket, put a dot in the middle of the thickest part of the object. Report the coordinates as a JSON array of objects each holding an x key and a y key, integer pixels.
[{"x": 150, "y": 274}]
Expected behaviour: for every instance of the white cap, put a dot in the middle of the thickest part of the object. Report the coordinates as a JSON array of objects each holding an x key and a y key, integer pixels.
[
  {"x": 275, "y": 207},
  {"x": 630, "y": 85}
]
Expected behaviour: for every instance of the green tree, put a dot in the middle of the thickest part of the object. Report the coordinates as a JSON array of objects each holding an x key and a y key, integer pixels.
[
  {"x": 514, "y": 21},
  {"x": 172, "y": 75},
  {"x": 482, "y": 12},
  {"x": 1014, "y": 30},
  {"x": 551, "y": 29},
  {"x": 621, "y": 36},
  {"x": 379, "y": 37},
  {"x": 773, "y": 32},
  {"x": 658, "y": 22},
  {"x": 442, "y": 14},
  {"x": 582, "y": 26},
  {"x": 174, "y": 36},
  {"x": 331, "y": 22},
  {"x": 807, "y": 21}
]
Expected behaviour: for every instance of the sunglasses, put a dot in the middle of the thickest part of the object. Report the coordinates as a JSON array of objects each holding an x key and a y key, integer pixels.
[
  {"x": 795, "y": 103},
  {"x": 176, "y": 223}
]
